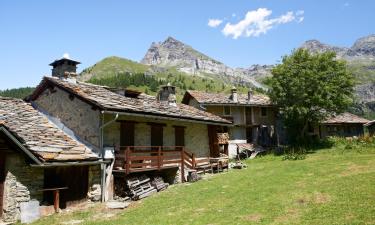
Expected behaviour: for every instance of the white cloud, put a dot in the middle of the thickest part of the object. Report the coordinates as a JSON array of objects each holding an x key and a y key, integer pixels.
[
  {"x": 257, "y": 22},
  {"x": 214, "y": 22}
]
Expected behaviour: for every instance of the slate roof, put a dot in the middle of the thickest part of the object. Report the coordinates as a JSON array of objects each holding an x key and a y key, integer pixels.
[
  {"x": 345, "y": 118},
  {"x": 370, "y": 123},
  {"x": 105, "y": 99},
  {"x": 225, "y": 99},
  {"x": 39, "y": 135}
]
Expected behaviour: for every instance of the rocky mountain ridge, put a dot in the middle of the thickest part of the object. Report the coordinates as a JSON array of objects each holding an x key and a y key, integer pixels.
[
  {"x": 174, "y": 53},
  {"x": 362, "y": 48}
]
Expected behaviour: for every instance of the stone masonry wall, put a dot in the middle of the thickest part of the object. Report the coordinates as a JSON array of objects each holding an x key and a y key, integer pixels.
[
  {"x": 196, "y": 135},
  {"x": 22, "y": 184},
  {"x": 73, "y": 113}
]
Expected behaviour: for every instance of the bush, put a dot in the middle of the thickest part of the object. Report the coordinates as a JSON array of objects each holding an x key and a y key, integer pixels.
[
  {"x": 294, "y": 154},
  {"x": 353, "y": 143}
]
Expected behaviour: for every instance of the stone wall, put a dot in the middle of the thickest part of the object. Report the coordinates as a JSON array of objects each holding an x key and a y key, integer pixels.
[
  {"x": 196, "y": 134},
  {"x": 22, "y": 184},
  {"x": 75, "y": 114}
]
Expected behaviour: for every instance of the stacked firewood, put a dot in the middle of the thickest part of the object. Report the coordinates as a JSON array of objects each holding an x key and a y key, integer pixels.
[
  {"x": 159, "y": 184},
  {"x": 142, "y": 186}
]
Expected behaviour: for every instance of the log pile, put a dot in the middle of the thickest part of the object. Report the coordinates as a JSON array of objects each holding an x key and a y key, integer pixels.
[
  {"x": 142, "y": 186},
  {"x": 159, "y": 184}
]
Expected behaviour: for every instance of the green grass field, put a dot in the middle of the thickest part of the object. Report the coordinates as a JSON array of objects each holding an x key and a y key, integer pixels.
[{"x": 330, "y": 186}]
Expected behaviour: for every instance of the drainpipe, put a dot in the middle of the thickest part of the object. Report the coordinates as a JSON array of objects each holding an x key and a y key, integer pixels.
[{"x": 103, "y": 166}]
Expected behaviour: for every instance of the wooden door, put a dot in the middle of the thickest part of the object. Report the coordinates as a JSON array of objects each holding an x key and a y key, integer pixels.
[
  {"x": 179, "y": 133},
  {"x": 2, "y": 180},
  {"x": 212, "y": 140},
  {"x": 127, "y": 134},
  {"x": 156, "y": 135}
]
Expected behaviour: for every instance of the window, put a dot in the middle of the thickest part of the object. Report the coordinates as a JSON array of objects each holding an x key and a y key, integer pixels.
[
  {"x": 263, "y": 111},
  {"x": 227, "y": 111}
]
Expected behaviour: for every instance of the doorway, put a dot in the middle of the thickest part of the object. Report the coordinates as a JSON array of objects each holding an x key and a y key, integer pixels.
[
  {"x": 75, "y": 179},
  {"x": 249, "y": 134}
]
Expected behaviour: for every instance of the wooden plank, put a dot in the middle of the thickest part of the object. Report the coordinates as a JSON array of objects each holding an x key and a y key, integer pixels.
[
  {"x": 172, "y": 161},
  {"x": 132, "y": 158}
]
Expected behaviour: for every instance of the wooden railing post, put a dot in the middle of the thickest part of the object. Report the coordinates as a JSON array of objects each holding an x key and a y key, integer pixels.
[
  {"x": 159, "y": 157},
  {"x": 182, "y": 165},
  {"x": 127, "y": 160},
  {"x": 193, "y": 160}
]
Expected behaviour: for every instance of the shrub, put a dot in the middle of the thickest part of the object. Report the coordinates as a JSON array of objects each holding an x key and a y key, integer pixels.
[{"x": 293, "y": 153}]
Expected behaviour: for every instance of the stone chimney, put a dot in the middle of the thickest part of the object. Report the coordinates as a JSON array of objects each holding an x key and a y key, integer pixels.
[
  {"x": 167, "y": 93},
  {"x": 64, "y": 68},
  {"x": 234, "y": 95},
  {"x": 250, "y": 95}
]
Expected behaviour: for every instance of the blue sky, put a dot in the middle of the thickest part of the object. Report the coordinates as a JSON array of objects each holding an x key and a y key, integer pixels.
[{"x": 34, "y": 33}]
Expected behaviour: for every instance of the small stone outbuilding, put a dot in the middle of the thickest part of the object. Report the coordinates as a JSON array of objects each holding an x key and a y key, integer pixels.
[
  {"x": 36, "y": 155},
  {"x": 342, "y": 125}
]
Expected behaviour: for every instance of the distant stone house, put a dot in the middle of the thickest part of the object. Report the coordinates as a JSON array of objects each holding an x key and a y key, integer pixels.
[
  {"x": 371, "y": 127},
  {"x": 36, "y": 155},
  {"x": 253, "y": 115},
  {"x": 157, "y": 133},
  {"x": 342, "y": 125}
]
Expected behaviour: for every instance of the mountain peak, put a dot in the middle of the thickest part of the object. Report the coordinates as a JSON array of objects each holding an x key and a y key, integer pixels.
[
  {"x": 171, "y": 39},
  {"x": 316, "y": 46},
  {"x": 172, "y": 52}
]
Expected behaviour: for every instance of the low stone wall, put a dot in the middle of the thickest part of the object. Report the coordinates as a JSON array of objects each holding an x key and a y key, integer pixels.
[{"x": 22, "y": 184}]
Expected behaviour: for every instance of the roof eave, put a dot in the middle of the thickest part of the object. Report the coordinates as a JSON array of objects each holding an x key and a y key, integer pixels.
[
  {"x": 152, "y": 115},
  {"x": 21, "y": 146}
]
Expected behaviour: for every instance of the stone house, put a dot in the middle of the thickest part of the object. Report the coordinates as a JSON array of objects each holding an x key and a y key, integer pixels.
[
  {"x": 342, "y": 125},
  {"x": 371, "y": 127},
  {"x": 36, "y": 155},
  {"x": 253, "y": 115},
  {"x": 157, "y": 133}
]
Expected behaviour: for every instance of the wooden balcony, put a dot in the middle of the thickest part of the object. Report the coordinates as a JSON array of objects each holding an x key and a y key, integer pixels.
[{"x": 132, "y": 159}]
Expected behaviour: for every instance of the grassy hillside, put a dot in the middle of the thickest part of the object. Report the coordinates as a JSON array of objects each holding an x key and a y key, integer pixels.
[
  {"x": 17, "y": 92},
  {"x": 111, "y": 66},
  {"x": 331, "y": 186}
]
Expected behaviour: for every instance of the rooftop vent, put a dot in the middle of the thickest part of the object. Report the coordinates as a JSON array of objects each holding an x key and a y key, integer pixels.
[
  {"x": 167, "y": 93},
  {"x": 234, "y": 95},
  {"x": 250, "y": 95}
]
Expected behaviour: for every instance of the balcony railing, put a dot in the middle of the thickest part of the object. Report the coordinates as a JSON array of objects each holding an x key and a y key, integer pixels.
[{"x": 131, "y": 159}]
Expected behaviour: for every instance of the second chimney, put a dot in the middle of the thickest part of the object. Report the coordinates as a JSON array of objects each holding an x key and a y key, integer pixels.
[
  {"x": 250, "y": 95},
  {"x": 168, "y": 94},
  {"x": 234, "y": 96}
]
